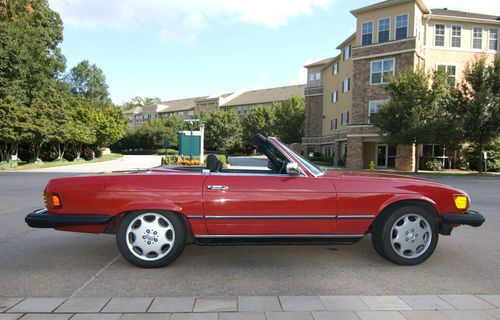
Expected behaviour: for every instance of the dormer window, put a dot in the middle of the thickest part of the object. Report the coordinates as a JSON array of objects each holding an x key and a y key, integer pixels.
[
  {"x": 367, "y": 33},
  {"x": 384, "y": 26},
  {"x": 402, "y": 27}
]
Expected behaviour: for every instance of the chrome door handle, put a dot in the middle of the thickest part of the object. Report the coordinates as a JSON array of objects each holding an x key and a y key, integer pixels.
[{"x": 217, "y": 187}]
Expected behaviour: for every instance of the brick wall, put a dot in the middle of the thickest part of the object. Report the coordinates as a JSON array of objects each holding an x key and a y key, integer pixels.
[{"x": 314, "y": 112}]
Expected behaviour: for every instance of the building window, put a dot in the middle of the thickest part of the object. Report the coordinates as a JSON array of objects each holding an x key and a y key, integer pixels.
[
  {"x": 346, "y": 85},
  {"x": 344, "y": 118},
  {"x": 451, "y": 70},
  {"x": 381, "y": 70},
  {"x": 335, "y": 96},
  {"x": 402, "y": 27},
  {"x": 333, "y": 124},
  {"x": 347, "y": 53},
  {"x": 439, "y": 35},
  {"x": 477, "y": 38},
  {"x": 384, "y": 26},
  {"x": 314, "y": 79},
  {"x": 367, "y": 33},
  {"x": 456, "y": 36},
  {"x": 373, "y": 107},
  {"x": 327, "y": 151},
  {"x": 493, "y": 40},
  {"x": 335, "y": 68}
]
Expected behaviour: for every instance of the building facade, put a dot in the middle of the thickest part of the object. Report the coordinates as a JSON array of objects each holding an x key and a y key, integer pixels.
[
  {"x": 242, "y": 102},
  {"x": 345, "y": 90}
]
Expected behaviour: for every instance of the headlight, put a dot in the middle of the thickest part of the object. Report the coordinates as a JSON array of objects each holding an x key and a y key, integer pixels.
[{"x": 461, "y": 202}]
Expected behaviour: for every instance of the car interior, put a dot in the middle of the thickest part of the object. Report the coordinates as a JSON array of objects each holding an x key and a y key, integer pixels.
[{"x": 276, "y": 160}]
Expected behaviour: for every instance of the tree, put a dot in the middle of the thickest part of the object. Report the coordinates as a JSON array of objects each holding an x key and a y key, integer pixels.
[
  {"x": 110, "y": 124},
  {"x": 13, "y": 126},
  {"x": 289, "y": 119},
  {"x": 222, "y": 129},
  {"x": 477, "y": 104},
  {"x": 82, "y": 130},
  {"x": 88, "y": 82},
  {"x": 30, "y": 58},
  {"x": 260, "y": 120},
  {"x": 417, "y": 111},
  {"x": 140, "y": 102}
]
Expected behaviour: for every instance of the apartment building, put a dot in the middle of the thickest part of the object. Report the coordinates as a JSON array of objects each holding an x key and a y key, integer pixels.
[
  {"x": 242, "y": 102},
  {"x": 343, "y": 91}
]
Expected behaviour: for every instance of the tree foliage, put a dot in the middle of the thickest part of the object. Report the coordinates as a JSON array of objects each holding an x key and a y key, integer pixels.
[
  {"x": 38, "y": 106},
  {"x": 222, "y": 130},
  {"x": 417, "y": 112},
  {"x": 88, "y": 82},
  {"x": 283, "y": 119},
  {"x": 477, "y": 104},
  {"x": 260, "y": 120}
]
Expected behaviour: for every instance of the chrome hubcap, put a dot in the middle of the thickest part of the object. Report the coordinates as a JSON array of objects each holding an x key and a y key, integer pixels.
[
  {"x": 150, "y": 236},
  {"x": 411, "y": 236}
]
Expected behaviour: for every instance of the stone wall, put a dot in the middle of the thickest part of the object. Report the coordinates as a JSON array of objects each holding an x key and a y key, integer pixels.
[
  {"x": 404, "y": 158},
  {"x": 354, "y": 153},
  {"x": 313, "y": 112}
]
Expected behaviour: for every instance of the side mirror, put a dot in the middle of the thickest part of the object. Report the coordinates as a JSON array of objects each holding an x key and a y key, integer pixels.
[{"x": 292, "y": 169}]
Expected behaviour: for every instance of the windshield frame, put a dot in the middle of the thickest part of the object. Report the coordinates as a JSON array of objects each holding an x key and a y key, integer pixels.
[{"x": 305, "y": 164}]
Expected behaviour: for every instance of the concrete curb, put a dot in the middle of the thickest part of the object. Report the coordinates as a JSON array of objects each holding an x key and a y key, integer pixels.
[{"x": 409, "y": 307}]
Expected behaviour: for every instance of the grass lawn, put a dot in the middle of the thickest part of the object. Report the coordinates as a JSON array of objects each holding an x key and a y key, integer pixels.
[{"x": 111, "y": 156}]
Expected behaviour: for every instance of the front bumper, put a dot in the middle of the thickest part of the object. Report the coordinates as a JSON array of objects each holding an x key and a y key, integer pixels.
[
  {"x": 42, "y": 219},
  {"x": 469, "y": 217}
]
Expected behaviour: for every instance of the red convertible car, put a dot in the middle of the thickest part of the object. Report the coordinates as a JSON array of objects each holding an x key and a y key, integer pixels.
[{"x": 156, "y": 212}]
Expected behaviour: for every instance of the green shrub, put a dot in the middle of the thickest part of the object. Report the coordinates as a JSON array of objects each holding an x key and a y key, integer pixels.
[
  {"x": 171, "y": 152},
  {"x": 462, "y": 164},
  {"x": 434, "y": 165}
]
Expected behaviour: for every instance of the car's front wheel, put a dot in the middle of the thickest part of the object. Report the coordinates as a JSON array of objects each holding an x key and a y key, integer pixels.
[
  {"x": 151, "y": 239},
  {"x": 407, "y": 235}
]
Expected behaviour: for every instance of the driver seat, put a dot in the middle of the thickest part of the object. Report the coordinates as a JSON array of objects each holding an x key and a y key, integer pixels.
[{"x": 213, "y": 163}]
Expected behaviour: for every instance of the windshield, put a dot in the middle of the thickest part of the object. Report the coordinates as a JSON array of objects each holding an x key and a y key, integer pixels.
[{"x": 315, "y": 170}]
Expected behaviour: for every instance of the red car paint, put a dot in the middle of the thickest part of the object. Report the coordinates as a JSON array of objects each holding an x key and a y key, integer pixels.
[{"x": 334, "y": 203}]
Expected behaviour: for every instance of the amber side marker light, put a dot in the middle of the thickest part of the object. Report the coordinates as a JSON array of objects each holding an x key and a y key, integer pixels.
[
  {"x": 52, "y": 200},
  {"x": 461, "y": 202}
]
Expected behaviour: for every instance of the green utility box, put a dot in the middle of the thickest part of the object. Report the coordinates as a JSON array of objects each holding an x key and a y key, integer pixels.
[{"x": 189, "y": 145}]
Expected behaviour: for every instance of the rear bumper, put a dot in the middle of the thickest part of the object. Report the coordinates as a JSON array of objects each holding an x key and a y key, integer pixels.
[
  {"x": 469, "y": 217},
  {"x": 42, "y": 219}
]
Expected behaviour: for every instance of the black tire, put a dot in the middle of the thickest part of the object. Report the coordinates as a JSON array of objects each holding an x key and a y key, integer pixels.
[
  {"x": 167, "y": 228},
  {"x": 385, "y": 233}
]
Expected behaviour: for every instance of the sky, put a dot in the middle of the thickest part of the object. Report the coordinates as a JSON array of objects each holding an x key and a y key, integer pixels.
[{"x": 175, "y": 49}]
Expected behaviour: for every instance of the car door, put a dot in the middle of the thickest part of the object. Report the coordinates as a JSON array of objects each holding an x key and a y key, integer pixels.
[{"x": 268, "y": 204}]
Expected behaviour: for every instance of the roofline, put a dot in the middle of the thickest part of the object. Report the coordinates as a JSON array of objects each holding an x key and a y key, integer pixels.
[
  {"x": 319, "y": 63},
  {"x": 385, "y": 4},
  {"x": 349, "y": 39},
  {"x": 466, "y": 19}
]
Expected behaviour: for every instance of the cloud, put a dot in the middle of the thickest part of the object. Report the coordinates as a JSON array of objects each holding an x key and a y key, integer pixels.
[{"x": 181, "y": 19}]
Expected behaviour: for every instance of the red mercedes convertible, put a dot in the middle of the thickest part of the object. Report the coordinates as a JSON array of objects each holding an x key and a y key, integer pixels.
[{"x": 156, "y": 212}]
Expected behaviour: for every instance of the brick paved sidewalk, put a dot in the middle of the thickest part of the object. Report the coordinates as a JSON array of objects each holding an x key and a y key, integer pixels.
[{"x": 427, "y": 307}]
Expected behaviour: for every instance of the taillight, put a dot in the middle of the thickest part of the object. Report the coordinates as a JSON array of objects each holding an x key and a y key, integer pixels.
[{"x": 52, "y": 200}]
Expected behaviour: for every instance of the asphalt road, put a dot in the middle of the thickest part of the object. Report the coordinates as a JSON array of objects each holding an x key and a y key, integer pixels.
[{"x": 45, "y": 262}]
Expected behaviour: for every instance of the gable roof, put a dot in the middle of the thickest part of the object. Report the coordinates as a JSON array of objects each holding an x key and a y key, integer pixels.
[
  {"x": 179, "y": 104},
  {"x": 463, "y": 14},
  {"x": 264, "y": 96}
]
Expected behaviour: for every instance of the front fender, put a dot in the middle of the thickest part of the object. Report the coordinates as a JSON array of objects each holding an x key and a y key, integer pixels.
[{"x": 407, "y": 197}]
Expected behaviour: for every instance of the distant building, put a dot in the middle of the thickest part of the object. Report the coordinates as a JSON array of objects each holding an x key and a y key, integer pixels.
[
  {"x": 243, "y": 102},
  {"x": 246, "y": 101},
  {"x": 344, "y": 91}
]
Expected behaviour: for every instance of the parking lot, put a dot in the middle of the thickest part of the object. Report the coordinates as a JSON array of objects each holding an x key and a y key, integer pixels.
[{"x": 49, "y": 263}]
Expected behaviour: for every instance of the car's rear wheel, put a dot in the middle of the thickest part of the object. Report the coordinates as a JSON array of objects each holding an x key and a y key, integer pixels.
[
  {"x": 151, "y": 239},
  {"x": 406, "y": 235}
]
